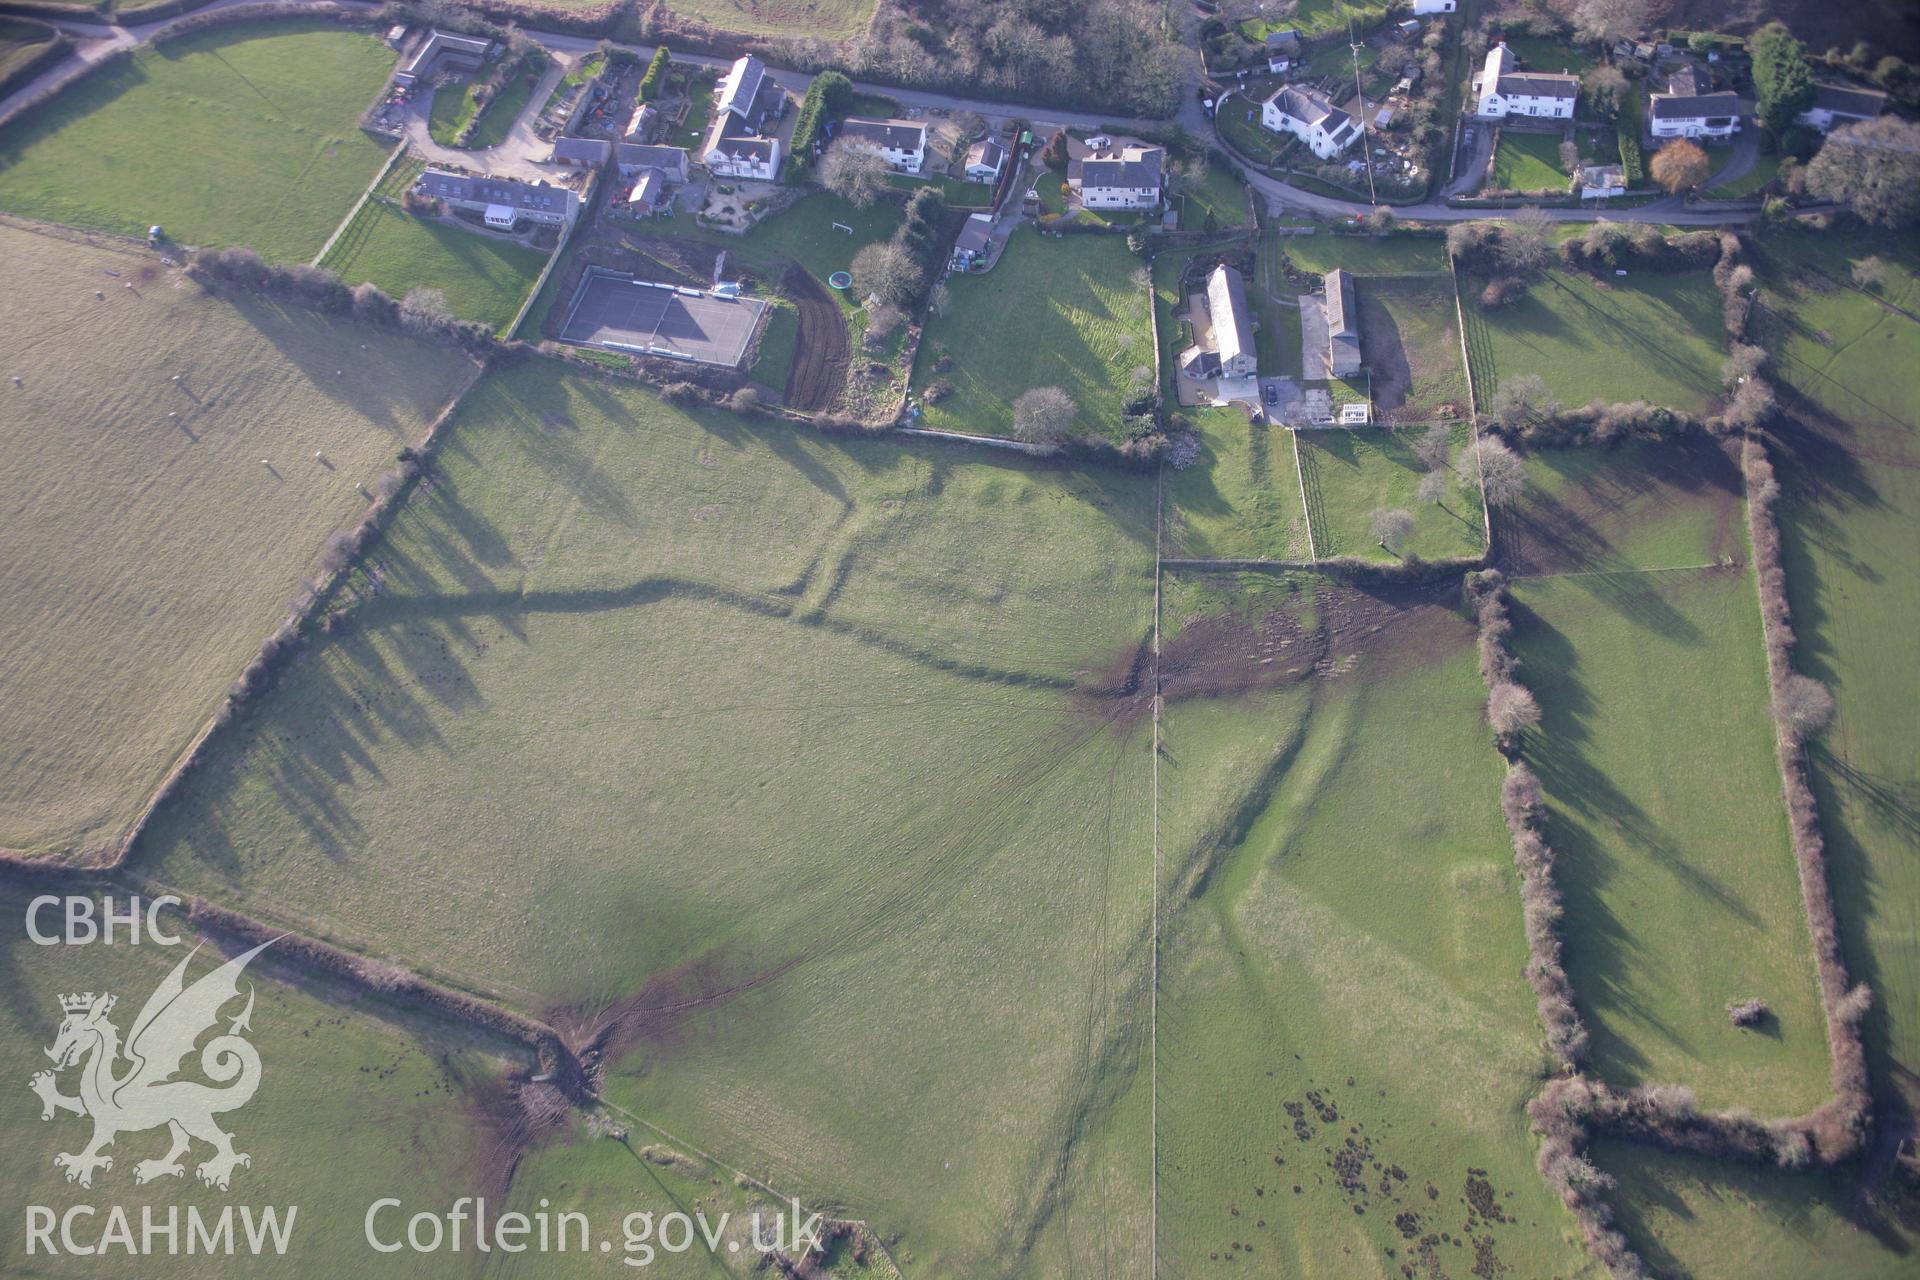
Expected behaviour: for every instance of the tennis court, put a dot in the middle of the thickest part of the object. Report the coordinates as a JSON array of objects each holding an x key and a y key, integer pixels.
[{"x": 622, "y": 313}]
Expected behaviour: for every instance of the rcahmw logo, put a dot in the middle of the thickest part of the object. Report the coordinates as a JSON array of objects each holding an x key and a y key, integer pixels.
[{"x": 132, "y": 1086}]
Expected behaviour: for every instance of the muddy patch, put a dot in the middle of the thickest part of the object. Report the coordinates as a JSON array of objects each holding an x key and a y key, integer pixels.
[
  {"x": 509, "y": 1119},
  {"x": 603, "y": 1031}
]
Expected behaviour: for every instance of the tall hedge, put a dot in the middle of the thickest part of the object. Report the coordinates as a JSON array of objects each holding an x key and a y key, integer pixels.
[
  {"x": 656, "y": 75},
  {"x": 827, "y": 96},
  {"x": 1632, "y": 164}
]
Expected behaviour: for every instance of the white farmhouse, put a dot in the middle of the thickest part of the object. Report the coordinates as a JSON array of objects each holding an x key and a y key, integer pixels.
[
  {"x": 734, "y": 147},
  {"x": 1310, "y": 116},
  {"x": 1127, "y": 178},
  {"x": 1421, "y": 8},
  {"x": 901, "y": 143},
  {"x": 1689, "y": 110},
  {"x": 1500, "y": 89},
  {"x": 985, "y": 159},
  {"x": 1838, "y": 104}
]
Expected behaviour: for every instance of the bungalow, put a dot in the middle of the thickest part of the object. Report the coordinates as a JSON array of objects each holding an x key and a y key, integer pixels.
[
  {"x": 901, "y": 143},
  {"x": 1309, "y": 115},
  {"x": 1688, "y": 110},
  {"x": 1222, "y": 330},
  {"x": 1343, "y": 326},
  {"x": 1500, "y": 89},
  {"x": 974, "y": 243},
  {"x": 985, "y": 159},
  {"x": 502, "y": 202},
  {"x": 443, "y": 51},
  {"x": 584, "y": 153},
  {"x": 1838, "y": 104},
  {"x": 630, "y": 158},
  {"x": 1421, "y": 8},
  {"x": 1128, "y": 178},
  {"x": 1602, "y": 181},
  {"x": 1282, "y": 48}
]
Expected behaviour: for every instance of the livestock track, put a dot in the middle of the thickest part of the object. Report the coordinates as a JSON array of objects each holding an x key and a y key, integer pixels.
[{"x": 819, "y": 369}]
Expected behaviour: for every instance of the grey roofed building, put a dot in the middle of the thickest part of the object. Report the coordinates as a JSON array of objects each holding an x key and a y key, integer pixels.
[
  {"x": 581, "y": 151},
  {"x": 647, "y": 191},
  {"x": 889, "y": 135},
  {"x": 443, "y": 49},
  {"x": 975, "y": 238},
  {"x": 742, "y": 86},
  {"x": 539, "y": 202},
  {"x": 737, "y": 148},
  {"x": 1668, "y": 106},
  {"x": 1282, "y": 41},
  {"x": 1687, "y": 82},
  {"x": 1134, "y": 168},
  {"x": 1343, "y": 325},
  {"x": 1539, "y": 84},
  {"x": 1232, "y": 322},
  {"x": 631, "y": 157},
  {"x": 985, "y": 155},
  {"x": 1838, "y": 104}
]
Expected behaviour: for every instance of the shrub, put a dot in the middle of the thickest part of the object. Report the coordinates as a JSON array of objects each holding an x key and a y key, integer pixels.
[
  {"x": 1044, "y": 415},
  {"x": 827, "y": 97},
  {"x": 1748, "y": 1013},
  {"x": 656, "y": 76}
]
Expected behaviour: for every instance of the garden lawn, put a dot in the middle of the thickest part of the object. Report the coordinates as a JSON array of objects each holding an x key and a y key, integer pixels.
[
  {"x": 828, "y": 19},
  {"x": 451, "y": 111},
  {"x": 1216, "y": 201},
  {"x": 1363, "y": 255},
  {"x": 1529, "y": 162},
  {"x": 1651, "y": 337},
  {"x": 1238, "y": 119},
  {"x": 780, "y": 730},
  {"x": 1665, "y": 809},
  {"x": 154, "y": 527},
  {"x": 1069, "y": 313},
  {"x": 1346, "y": 1041},
  {"x": 266, "y": 116},
  {"x": 1320, "y": 17},
  {"x": 485, "y": 277},
  {"x": 1765, "y": 170},
  {"x": 1349, "y": 474},
  {"x": 497, "y": 117},
  {"x": 1241, "y": 497}
]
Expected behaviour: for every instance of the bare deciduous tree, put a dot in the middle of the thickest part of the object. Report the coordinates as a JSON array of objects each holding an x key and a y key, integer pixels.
[
  {"x": 1805, "y": 705},
  {"x": 1434, "y": 446},
  {"x": 888, "y": 272},
  {"x": 1680, "y": 165},
  {"x": 1605, "y": 82},
  {"x": 1875, "y": 167},
  {"x": 1743, "y": 362},
  {"x": 1608, "y": 20},
  {"x": 1518, "y": 399},
  {"x": 424, "y": 310},
  {"x": 1044, "y": 415},
  {"x": 1433, "y": 487},
  {"x": 1495, "y": 470},
  {"x": 1526, "y": 245},
  {"x": 854, "y": 173},
  {"x": 1511, "y": 709},
  {"x": 1392, "y": 527}
]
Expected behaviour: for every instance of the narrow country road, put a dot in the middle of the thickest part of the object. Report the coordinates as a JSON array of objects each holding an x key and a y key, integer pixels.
[{"x": 517, "y": 157}]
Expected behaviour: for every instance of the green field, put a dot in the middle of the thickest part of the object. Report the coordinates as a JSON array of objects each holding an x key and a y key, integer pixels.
[
  {"x": 1664, "y": 799},
  {"x": 1350, "y": 474},
  {"x": 485, "y": 277},
  {"x": 1320, "y": 17},
  {"x": 126, "y": 489},
  {"x": 1657, "y": 338},
  {"x": 1362, "y": 255},
  {"x": 1346, "y": 1042},
  {"x": 664, "y": 704},
  {"x": 1071, "y": 313},
  {"x": 22, "y": 42},
  {"x": 243, "y": 135},
  {"x": 1215, "y": 201},
  {"x": 1528, "y": 162},
  {"x": 774, "y": 358},
  {"x": 828, "y": 19},
  {"x": 1410, "y": 340},
  {"x": 453, "y": 109},
  {"x": 1240, "y": 500}
]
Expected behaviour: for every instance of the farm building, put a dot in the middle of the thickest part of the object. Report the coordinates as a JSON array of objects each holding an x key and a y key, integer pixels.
[
  {"x": 973, "y": 244},
  {"x": 1222, "y": 329},
  {"x": 1343, "y": 325},
  {"x": 502, "y": 202},
  {"x": 630, "y": 158},
  {"x": 641, "y": 124},
  {"x": 1282, "y": 48},
  {"x": 1501, "y": 89},
  {"x": 1691, "y": 109},
  {"x": 583, "y": 153},
  {"x": 1310, "y": 116},
  {"x": 901, "y": 143},
  {"x": 1838, "y": 104},
  {"x": 1127, "y": 177},
  {"x": 985, "y": 159},
  {"x": 739, "y": 92},
  {"x": 443, "y": 51}
]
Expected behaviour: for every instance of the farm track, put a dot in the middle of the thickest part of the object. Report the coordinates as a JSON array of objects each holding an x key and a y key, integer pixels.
[{"x": 819, "y": 369}]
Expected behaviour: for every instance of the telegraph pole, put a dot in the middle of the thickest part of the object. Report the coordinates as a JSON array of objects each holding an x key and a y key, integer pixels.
[{"x": 1366, "y": 143}]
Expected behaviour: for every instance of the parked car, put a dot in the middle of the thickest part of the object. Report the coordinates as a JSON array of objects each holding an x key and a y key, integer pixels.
[{"x": 1273, "y": 395}]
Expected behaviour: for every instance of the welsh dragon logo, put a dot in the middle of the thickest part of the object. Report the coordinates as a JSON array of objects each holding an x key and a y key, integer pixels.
[{"x": 126, "y": 1089}]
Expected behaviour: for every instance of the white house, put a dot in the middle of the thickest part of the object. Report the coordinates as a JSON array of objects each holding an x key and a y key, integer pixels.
[
  {"x": 1282, "y": 49},
  {"x": 1421, "y": 8},
  {"x": 1129, "y": 178},
  {"x": 985, "y": 159},
  {"x": 741, "y": 87},
  {"x": 1838, "y": 104},
  {"x": 502, "y": 202},
  {"x": 1686, "y": 110},
  {"x": 1310, "y": 116},
  {"x": 1500, "y": 89},
  {"x": 735, "y": 155},
  {"x": 901, "y": 143}
]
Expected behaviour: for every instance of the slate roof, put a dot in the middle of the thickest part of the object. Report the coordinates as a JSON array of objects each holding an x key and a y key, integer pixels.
[
  {"x": 742, "y": 85},
  {"x": 1849, "y": 100},
  {"x": 1669, "y": 106},
  {"x": 1282, "y": 41},
  {"x": 974, "y": 233},
  {"x": 1343, "y": 321},
  {"x": 1227, "y": 307},
  {"x": 1308, "y": 105},
  {"x": 1539, "y": 84},
  {"x": 442, "y": 185},
  {"x": 1135, "y": 168},
  {"x": 986, "y": 152},
  {"x": 894, "y": 135},
  {"x": 671, "y": 161},
  {"x": 582, "y": 150}
]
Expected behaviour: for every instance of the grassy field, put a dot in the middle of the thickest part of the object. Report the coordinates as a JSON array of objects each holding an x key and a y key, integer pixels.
[
  {"x": 1410, "y": 340},
  {"x": 1071, "y": 313},
  {"x": 22, "y": 41},
  {"x": 1651, "y": 337},
  {"x": 829, "y": 19},
  {"x": 1216, "y": 201},
  {"x": 828, "y": 743},
  {"x": 485, "y": 278},
  {"x": 1528, "y": 162},
  {"x": 152, "y": 550},
  {"x": 264, "y": 116},
  {"x": 1664, "y": 798},
  {"x": 1346, "y": 1042},
  {"x": 1240, "y": 500},
  {"x": 777, "y": 345},
  {"x": 1350, "y": 474},
  {"x": 1765, "y": 170},
  {"x": 1320, "y": 17},
  {"x": 1362, "y": 255},
  {"x": 357, "y": 1101}
]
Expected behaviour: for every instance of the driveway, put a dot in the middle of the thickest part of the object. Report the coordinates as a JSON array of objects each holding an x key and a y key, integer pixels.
[
  {"x": 1740, "y": 161},
  {"x": 1474, "y": 165},
  {"x": 521, "y": 154}
]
